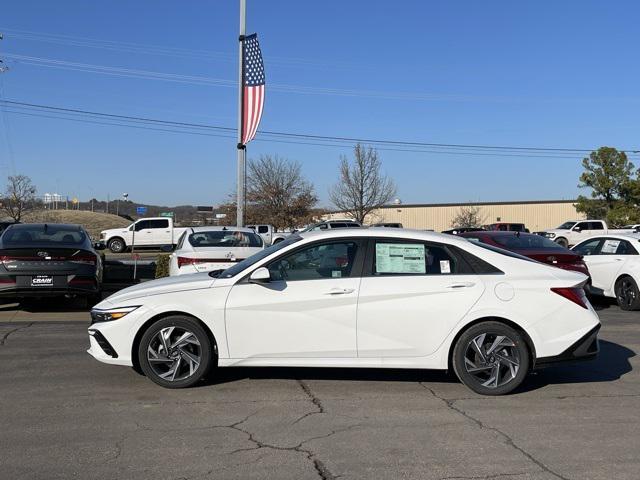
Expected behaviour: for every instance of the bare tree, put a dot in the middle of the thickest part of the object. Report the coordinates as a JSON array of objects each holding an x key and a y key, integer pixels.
[
  {"x": 362, "y": 187},
  {"x": 468, "y": 216},
  {"x": 19, "y": 197},
  {"x": 278, "y": 193}
]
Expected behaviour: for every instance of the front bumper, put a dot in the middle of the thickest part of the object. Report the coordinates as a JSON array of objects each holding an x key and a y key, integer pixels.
[{"x": 586, "y": 348}]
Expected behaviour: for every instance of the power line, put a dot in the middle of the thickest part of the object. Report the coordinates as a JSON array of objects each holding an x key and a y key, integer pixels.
[{"x": 148, "y": 123}]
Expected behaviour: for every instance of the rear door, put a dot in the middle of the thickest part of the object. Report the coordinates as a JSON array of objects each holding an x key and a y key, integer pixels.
[{"x": 412, "y": 295}]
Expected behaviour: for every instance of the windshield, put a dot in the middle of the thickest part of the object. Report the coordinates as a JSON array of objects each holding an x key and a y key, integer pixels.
[
  {"x": 225, "y": 238},
  {"x": 527, "y": 242},
  {"x": 44, "y": 235},
  {"x": 567, "y": 225},
  {"x": 247, "y": 262}
]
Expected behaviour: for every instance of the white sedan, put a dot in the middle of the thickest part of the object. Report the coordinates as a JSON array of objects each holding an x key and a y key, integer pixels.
[
  {"x": 614, "y": 264},
  {"x": 378, "y": 297},
  {"x": 204, "y": 249}
]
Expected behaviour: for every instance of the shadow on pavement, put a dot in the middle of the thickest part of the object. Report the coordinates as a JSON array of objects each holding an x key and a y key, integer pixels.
[
  {"x": 611, "y": 364},
  {"x": 602, "y": 303}
]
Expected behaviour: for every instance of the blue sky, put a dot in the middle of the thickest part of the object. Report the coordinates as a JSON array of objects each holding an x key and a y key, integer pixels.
[{"x": 543, "y": 73}]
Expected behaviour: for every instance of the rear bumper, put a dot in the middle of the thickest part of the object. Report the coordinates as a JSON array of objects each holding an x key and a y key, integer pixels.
[{"x": 585, "y": 348}]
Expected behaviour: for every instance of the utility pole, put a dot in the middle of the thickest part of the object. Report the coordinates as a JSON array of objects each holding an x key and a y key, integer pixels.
[
  {"x": 3, "y": 67},
  {"x": 242, "y": 151}
]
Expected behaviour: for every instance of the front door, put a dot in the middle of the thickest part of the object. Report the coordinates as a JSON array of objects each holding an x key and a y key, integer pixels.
[
  {"x": 306, "y": 310},
  {"x": 606, "y": 261},
  {"x": 412, "y": 295}
]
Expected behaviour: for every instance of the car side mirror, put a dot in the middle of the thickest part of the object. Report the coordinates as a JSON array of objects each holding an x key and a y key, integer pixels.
[
  {"x": 99, "y": 246},
  {"x": 577, "y": 229},
  {"x": 260, "y": 275}
]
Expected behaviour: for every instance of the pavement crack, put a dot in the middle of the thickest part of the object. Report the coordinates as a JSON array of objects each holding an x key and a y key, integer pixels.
[
  {"x": 3, "y": 340},
  {"x": 507, "y": 439},
  {"x": 314, "y": 399}
]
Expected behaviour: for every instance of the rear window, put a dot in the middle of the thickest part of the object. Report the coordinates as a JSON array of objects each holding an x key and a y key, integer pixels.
[
  {"x": 225, "y": 238},
  {"x": 504, "y": 252},
  {"x": 527, "y": 242},
  {"x": 40, "y": 235}
]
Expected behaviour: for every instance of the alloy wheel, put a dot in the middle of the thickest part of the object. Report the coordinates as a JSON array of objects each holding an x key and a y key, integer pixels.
[
  {"x": 492, "y": 360},
  {"x": 626, "y": 292},
  {"x": 174, "y": 353}
]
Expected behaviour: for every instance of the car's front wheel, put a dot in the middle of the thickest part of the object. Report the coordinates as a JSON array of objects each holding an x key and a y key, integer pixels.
[
  {"x": 491, "y": 358},
  {"x": 562, "y": 242},
  {"x": 116, "y": 245},
  {"x": 175, "y": 352},
  {"x": 627, "y": 294}
]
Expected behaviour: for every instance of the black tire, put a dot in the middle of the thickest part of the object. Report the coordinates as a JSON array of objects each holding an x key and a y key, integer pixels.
[
  {"x": 562, "y": 242},
  {"x": 117, "y": 245},
  {"x": 277, "y": 240},
  {"x": 182, "y": 357},
  {"x": 510, "y": 358},
  {"x": 627, "y": 294}
]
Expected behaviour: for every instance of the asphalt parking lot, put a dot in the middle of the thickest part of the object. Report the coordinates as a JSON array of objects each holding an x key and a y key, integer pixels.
[{"x": 64, "y": 415}]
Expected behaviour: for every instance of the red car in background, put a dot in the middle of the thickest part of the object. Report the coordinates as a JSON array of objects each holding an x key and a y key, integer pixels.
[{"x": 532, "y": 246}]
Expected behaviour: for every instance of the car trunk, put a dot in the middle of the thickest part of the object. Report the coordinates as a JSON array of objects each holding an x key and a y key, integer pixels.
[
  {"x": 208, "y": 258},
  {"x": 48, "y": 267},
  {"x": 552, "y": 257}
]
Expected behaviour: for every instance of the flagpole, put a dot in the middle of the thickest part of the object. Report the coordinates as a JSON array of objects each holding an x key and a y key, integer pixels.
[{"x": 240, "y": 201}]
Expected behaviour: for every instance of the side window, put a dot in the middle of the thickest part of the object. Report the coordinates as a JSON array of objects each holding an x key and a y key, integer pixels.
[
  {"x": 625, "y": 248},
  {"x": 322, "y": 226},
  {"x": 338, "y": 225},
  {"x": 413, "y": 258},
  {"x": 502, "y": 228},
  {"x": 158, "y": 224},
  {"x": 263, "y": 229},
  {"x": 590, "y": 247},
  {"x": 596, "y": 226},
  {"x": 581, "y": 226},
  {"x": 329, "y": 260},
  {"x": 142, "y": 225}
]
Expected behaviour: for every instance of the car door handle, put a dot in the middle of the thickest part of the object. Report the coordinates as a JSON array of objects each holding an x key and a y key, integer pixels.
[
  {"x": 340, "y": 291},
  {"x": 461, "y": 285}
]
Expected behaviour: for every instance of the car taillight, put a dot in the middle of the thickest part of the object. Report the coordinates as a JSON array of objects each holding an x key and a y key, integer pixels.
[
  {"x": 575, "y": 294},
  {"x": 83, "y": 259}
]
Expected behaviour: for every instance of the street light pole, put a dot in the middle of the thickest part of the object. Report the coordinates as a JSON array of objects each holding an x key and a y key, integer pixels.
[{"x": 240, "y": 200}]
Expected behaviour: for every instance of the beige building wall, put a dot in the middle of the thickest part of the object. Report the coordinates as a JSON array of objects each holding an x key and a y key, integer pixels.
[{"x": 536, "y": 215}]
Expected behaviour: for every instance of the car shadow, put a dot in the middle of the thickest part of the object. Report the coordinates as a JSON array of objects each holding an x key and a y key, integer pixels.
[
  {"x": 602, "y": 303},
  {"x": 611, "y": 364}
]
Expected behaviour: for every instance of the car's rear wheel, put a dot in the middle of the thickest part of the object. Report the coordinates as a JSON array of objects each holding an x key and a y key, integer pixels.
[
  {"x": 491, "y": 358},
  {"x": 175, "y": 352},
  {"x": 116, "y": 245},
  {"x": 627, "y": 294}
]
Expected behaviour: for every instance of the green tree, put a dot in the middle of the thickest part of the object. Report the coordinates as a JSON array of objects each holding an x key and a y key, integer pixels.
[{"x": 614, "y": 187}]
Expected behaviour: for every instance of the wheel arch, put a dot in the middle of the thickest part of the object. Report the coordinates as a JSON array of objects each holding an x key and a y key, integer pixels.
[
  {"x": 565, "y": 239},
  {"x": 510, "y": 323},
  {"x": 145, "y": 326}
]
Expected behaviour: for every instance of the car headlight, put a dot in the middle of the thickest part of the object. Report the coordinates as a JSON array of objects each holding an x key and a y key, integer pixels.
[
  {"x": 550, "y": 235},
  {"x": 98, "y": 315}
]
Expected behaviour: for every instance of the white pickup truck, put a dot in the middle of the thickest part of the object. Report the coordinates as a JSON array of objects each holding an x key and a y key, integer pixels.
[
  {"x": 269, "y": 234},
  {"x": 573, "y": 232},
  {"x": 145, "y": 232}
]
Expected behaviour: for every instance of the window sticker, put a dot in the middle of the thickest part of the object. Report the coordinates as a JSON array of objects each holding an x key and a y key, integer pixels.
[
  {"x": 336, "y": 273},
  {"x": 445, "y": 266},
  {"x": 610, "y": 246},
  {"x": 400, "y": 258}
]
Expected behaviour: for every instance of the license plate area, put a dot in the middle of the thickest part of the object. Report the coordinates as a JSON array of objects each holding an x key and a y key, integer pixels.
[{"x": 42, "y": 281}]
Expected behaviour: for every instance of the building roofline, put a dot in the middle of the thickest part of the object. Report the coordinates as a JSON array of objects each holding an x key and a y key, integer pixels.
[{"x": 476, "y": 204}]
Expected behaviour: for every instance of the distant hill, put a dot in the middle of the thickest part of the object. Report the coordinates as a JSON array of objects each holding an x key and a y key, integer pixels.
[{"x": 93, "y": 222}]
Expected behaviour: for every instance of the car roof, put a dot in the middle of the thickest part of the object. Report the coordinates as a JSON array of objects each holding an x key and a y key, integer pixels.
[
  {"x": 619, "y": 236},
  {"x": 222, "y": 228},
  {"x": 383, "y": 232},
  {"x": 64, "y": 226},
  {"x": 496, "y": 233}
]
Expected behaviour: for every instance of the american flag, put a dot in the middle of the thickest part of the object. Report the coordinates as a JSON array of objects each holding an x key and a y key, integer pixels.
[{"x": 253, "y": 87}]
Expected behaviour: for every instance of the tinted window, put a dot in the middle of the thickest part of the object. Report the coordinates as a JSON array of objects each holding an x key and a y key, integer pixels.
[
  {"x": 141, "y": 225},
  {"x": 590, "y": 247},
  {"x": 517, "y": 227},
  {"x": 596, "y": 226},
  {"x": 263, "y": 229},
  {"x": 181, "y": 240},
  {"x": 338, "y": 225},
  {"x": 158, "y": 224},
  {"x": 614, "y": 246},
  {"x": 414, "y": 258},
  {"x": 52, "y": 235},
  {"x": 566, "y": 225},
  {"x": 255, "y": 258},
  {"x": 225, "y": 238},
  {"x": 329, "y": 260},
  {"x": 353, "y": 225},
  {"x": 526, "y": 242},
  {"x": 583, "y": 225}
]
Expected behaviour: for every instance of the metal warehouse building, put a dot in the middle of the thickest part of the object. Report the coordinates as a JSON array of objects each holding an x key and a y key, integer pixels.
[{"x": 536, "y": 215}]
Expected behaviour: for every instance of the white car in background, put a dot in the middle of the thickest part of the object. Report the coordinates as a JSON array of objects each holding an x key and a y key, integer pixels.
[
  {"x": 614, "y": 264},
  {"x": 204, "y": 249},
  {"x": 374, "y": 298}
]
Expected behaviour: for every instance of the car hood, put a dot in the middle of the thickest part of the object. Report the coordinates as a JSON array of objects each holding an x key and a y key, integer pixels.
[{"x": 156, "y": 287}]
